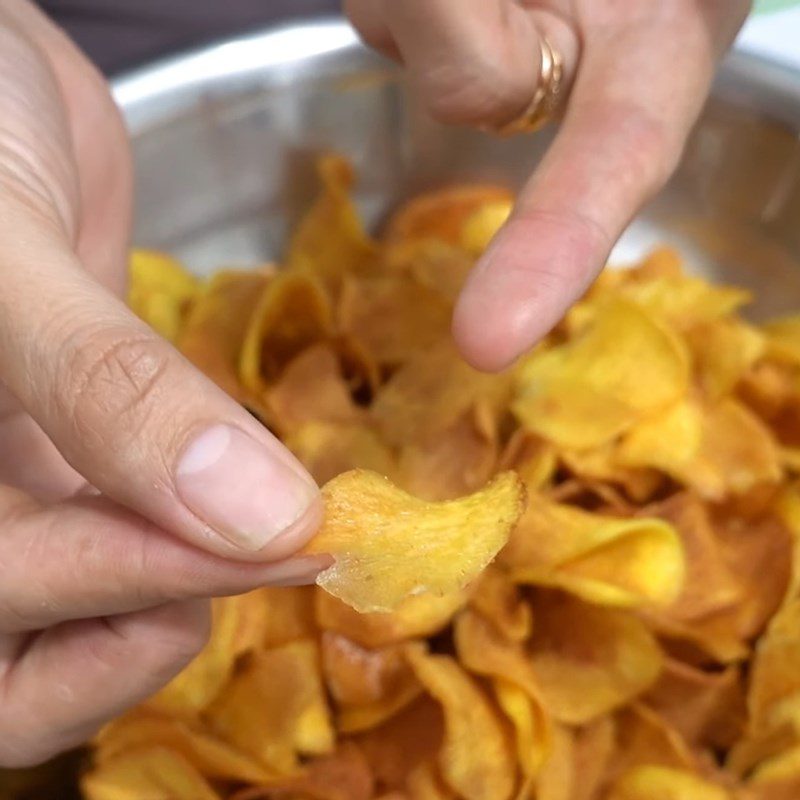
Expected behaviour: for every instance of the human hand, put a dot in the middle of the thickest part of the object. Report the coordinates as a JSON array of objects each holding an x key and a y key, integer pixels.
[
  {"x": 132, "y": 488},
  {"x": 636, "y": 74}
]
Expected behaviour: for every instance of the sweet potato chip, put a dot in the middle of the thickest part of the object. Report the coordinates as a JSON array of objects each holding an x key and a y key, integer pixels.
[
  {"x": 160, "y": 291},
  {"x": 481, "y": 226},
  {"x": 448, "y": 215},
  {"x": 661, "y": 783},
  {"x": 389, "y": 546},
  {"x": 330, "y": 240},
  {"x": 624, "y": 366},
  {"x": 715, "y": 450},
  {"x": 154, "y": 773},
  {"x": 432, "y": 263},
  {"x": 417, "y": 616},
  {"x": 590, "y": 660},
  {"x": 292, "y": 314},
  {"x": 312, "y": 388},
  {"x": 398, "y": 746},
  {"x": 617, "y": 562},
  {"x": 482, "y": 651},
  {"x": 498, "y": 600},
  {"x": 368, "y": 686},
  {"x": 459, "y": 460},
  {"x": 425, "y": 783},
  {"x": 238, "y": 626},
  {"x": 274, "y": 708},
  {"x": 393, "y": 316},
  {"x": 429, "y": 394},
  {"x": 214, "y": 331},
  {"x": 475, "y": 759},
  {"x": 330, "y": 448},
  {"x": 212, "y": 757}
]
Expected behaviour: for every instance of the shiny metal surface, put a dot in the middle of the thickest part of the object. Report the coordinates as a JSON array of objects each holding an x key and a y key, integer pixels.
[{"x": 225, "y": 141}]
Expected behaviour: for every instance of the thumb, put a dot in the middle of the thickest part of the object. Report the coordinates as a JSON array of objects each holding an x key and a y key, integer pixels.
[{"x": 131, "y": 415}]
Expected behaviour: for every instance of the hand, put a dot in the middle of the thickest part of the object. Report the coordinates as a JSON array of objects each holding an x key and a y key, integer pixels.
[
  {"x": 639, "y": 73},
  {"x": 131, "y": 484}
]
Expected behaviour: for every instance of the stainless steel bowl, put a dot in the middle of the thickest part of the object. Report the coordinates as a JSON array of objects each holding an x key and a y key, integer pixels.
[{"x": 225, "y": 141}]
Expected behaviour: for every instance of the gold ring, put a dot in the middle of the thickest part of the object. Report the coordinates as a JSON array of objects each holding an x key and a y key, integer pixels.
[{"x": 544, "y": 103}]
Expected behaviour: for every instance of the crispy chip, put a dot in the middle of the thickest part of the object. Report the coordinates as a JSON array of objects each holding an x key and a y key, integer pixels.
[
  {"x": 482, "y": 651},
  {"x": 274, "y": 708},
  {"x": 475, "y": 758},
  {"x": 498, "y": 600},
  {"x": 590, "y": 660},
  {"x": 422, "y": 615},
  {"x": 160, "y": 291},
  {"x": 617, "y": 562},
  {"x": 210, "y": 756},
  {"x": 147, "y": 773},
  {"x": 381, "y": 560},
  {"x": 624, "y": 366},
  {"x": 449, "y": 215},
  {"x": 330, "y": 448},
  {"x": 238, "y": 626},
  {"x": 330, "y": 241},
  {"x": 661, "y": 783},
  {"x": 214, "y": 331},
  {"x": 292, "y": 314}
]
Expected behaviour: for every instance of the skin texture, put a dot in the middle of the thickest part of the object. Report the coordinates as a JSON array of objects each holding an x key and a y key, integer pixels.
[{"x": 112, "y": 533}]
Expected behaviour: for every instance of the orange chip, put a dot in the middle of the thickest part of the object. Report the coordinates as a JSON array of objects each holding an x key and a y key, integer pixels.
[
  {"x": 482, "y": 651},
  {"x": 330, "y": 240},
  {"x": 425, "y": 783},
  {"x": 152, "y": 772},
  {"x": 215, "y": 328},
  {"x": 432, "y": 263},
  {"x": 447, "y": 215},
  {"x": 410, "y": 738},
  {"x": 429, "y": 394},
  {"x": 393, "y": 316},
  {"x": 274, "y": 708},
  {"x": 312, "y": 388},
  {"x": 661, "y": 783},
  {"x": 590, "y": 660},
  {"x": 423, "y": 615},
  {"x": 705, "y": 707},
  {"x": 292, "y": 314},
  {"x": 623, "y": 367},
  {"x": 160, "y": 291},
  {"x": 212, "y": 757},
  {"x": 617, "y": 562},
  {"x": 368, "y": 686},
  {"x": 328, "y": 449},
  {"x": 475, "y": 759},
  {"x": 459, "y": 460},
  {"x": 288, "y": 614},
  {"x": 238, "y": 626},
  {"x": 389, "y": 546},
  {"x": 499, "y": 600}
]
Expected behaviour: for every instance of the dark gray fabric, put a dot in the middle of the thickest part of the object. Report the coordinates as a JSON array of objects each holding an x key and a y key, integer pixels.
[{"x": 120, "y": 34}]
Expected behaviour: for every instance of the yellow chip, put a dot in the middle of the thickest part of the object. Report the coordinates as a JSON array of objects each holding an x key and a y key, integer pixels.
[
  {"x": 590, "y": 660},
  {"x": 160, "y": 291},
  {"x": 475, "y": 759},
  {"x": 624, "y": 366},
  {"x": 274, "y": 708},
  {"x": 661, "y": 783},
  {"x": 389, "y": 546},
  {"x": 616, "y": 562},
  {"x": 330, "y": 240},
  {"x": 154, "y": 773}
]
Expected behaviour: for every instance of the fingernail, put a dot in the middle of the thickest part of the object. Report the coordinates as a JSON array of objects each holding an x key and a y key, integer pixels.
[
  {"x": 241, "y": 489},
  {"x": 299, "y": 571}
]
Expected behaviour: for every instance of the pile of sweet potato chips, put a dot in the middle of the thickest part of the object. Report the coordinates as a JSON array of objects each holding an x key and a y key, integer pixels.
[{"x": 638, "y": 635}]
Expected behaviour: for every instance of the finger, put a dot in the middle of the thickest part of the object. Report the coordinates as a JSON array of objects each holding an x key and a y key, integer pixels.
[
  {"x": 133, "y": 416},
  {"x": 621, "y": 139},
  {"x": 66, "y": 682},
  {"x": 470, "y": 61},
  {"x": 87, "y": 558}
]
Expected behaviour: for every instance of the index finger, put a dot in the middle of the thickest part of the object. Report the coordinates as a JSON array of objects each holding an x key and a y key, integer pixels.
[{"x": 640, "y": 88}]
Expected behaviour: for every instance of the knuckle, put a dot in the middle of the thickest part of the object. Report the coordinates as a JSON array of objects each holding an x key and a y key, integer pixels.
[
  {"x": 111, "y": 377},
  {"x": 473, "y": 92}
]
